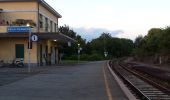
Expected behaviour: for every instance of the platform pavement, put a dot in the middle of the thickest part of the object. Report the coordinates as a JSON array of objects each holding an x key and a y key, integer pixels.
[{"x": 78, "y": 82}]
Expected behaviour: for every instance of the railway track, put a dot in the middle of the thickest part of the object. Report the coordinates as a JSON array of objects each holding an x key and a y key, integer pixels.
[{"x": 138, "y": 83}]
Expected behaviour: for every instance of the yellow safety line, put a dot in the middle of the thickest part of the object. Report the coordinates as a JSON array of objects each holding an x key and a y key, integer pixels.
[{"x": 107, "y": 86}]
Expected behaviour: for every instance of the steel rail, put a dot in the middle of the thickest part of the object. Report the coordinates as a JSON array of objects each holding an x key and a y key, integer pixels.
[
  {"x": 130, "y": 85},
  {"x": 147, "y": 79},
  {"x": 144, "y": 94}
]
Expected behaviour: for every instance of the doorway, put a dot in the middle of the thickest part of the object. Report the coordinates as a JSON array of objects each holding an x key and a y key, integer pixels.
[
  {"x": 41, "y": 56},
  {"x": 19, "y": 50}
]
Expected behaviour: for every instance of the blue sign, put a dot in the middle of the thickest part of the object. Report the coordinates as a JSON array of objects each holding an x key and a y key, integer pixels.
[{"x": 18, "y": 29}]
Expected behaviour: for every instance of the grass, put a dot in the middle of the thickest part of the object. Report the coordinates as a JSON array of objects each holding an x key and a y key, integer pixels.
[{"x": 72, "y": 62}]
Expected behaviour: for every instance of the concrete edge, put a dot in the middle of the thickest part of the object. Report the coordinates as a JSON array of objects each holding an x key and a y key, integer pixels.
[{"x": 126, "y": 91}]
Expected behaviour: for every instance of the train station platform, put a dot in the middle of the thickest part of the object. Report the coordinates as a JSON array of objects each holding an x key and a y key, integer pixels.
[{"x": 89, "y": 81}]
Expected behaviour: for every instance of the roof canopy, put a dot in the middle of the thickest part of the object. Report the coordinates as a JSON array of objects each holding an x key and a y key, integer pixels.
[{"x": 50, "y": 36}]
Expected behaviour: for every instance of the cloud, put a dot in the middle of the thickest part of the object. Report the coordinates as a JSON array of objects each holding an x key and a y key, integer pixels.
[
  {"x": 92, "y": 33},
  {"x": 132, "y": 34}
]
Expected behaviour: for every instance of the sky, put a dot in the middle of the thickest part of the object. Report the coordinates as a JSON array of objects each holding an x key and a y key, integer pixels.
[{"x": 120, "y": 18}]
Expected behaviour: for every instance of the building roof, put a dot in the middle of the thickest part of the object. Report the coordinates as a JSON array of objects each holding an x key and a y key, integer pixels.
[
  {"x": 42, "y": 2},
  {"x": 47, "y": 6},
  {"x": 51, "y": 36}
]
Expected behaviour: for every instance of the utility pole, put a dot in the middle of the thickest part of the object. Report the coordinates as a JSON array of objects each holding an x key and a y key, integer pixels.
[{"x": 29, "y": 48}]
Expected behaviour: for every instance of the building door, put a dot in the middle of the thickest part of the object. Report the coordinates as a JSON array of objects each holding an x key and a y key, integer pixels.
[
  {"x": 46, "y": 55},
  {"x": 19, "y": 50},
  {"x": 55, "y": 54},
  {"x": 41, "y": 56}
]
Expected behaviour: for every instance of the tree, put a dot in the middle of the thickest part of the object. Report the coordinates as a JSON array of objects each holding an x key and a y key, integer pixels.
[
  {"x": 115, "y": 47},
  {"x": 94, "y": 50},
  {"x": 67, "y": 31},
  {"x": 153, "y": 40},
  {"x": 138, "y": 41},
  {"x": 154, "y": 45},
  {"x": 69, "y": 51},
  {"x": 165, "y": 41}
]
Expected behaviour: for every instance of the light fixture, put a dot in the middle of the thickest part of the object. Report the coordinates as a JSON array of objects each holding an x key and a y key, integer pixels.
[
  {"x": 28, "y": 25},
  {"x": 78, "y": 44}
]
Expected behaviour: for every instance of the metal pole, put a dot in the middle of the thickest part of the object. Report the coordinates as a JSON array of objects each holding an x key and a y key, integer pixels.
[
  {"x": 78, "y": 52},
  {"x": 78, "y": 55},
  {"x": 29, "y": 53},
  {"x": 104, "y": 48}
]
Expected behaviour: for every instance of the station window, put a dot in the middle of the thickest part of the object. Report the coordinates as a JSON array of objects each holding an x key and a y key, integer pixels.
[
  {"x": 51, "y": 26},
  {"x": 41, "y": 20},
  {"x": 46, "y": 24},
  {"x": 55, "y": 27}
]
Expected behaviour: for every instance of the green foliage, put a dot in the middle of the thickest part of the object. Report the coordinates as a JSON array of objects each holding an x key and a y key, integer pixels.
[
  {"x": 95, "y": 57},
  {"x": 115, "y": 47},
  {"x": 65, "y": 49},
  {"x": 85, "y": 57},
  {"x": 94, "y": 50},
  {"x": 92, "y": 57},
  {"x": 71, "y": 57},
  {"x": 156, "y": 42},
  {"x": 138, "y": 41},
  {"x": 153, "y": 40},
  {"x": 67, "y": 31},
  {"x": 165, "y": 41}
]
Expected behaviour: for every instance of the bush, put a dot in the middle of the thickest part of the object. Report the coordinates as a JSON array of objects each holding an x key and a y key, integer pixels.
[
  {"x": 85, "y": 57},
  {"x": 95, "y": 57},
  {"x": 73, "y": 57}
]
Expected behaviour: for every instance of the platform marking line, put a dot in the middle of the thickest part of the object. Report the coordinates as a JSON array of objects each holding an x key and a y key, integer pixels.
[{"x": 109, "y": 95}]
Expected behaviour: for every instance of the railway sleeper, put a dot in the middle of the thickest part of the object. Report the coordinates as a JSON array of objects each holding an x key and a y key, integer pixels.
[
  {"x": 153, "y": 92},
  {"x": 157, "y": 96}
]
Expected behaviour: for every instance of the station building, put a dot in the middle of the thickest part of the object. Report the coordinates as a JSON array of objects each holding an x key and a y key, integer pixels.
[{"x": 14, "y": 35}]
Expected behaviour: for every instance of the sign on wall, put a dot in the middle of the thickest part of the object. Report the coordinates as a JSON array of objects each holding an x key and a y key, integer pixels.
[
  {"x": 18, "y": 29},
  {"x": 34, "y": 38}
]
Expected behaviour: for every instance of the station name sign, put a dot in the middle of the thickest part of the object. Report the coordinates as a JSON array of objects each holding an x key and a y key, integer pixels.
[{"x": 12, "y": 29}]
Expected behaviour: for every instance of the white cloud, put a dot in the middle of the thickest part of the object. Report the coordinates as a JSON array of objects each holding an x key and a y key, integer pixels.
[{"x": 91, "y": 33}]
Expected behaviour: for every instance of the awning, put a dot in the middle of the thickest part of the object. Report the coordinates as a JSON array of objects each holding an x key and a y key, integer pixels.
[{"x": 53, "y": 36}]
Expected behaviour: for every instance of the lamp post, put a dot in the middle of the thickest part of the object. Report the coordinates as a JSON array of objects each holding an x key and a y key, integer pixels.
[
  {"x": 78, "y": 52},
  {"x": 104, "y": 46},
  {"x": 29, "y": 48}
]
